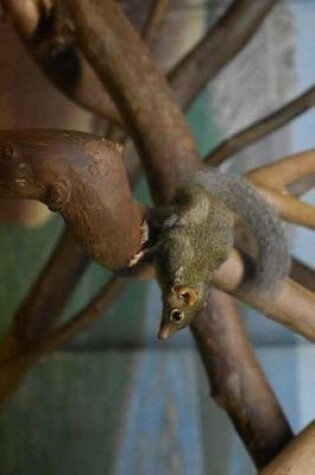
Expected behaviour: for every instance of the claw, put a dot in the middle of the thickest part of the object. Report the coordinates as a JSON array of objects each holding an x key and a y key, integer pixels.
[{"x": 144, "y": 239}]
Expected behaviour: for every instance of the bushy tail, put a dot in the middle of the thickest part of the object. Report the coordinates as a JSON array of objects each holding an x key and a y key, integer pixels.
[{"x": 241, "y": 197}]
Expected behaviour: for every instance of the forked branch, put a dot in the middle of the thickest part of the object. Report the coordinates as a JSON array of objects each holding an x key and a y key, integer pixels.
[{"x": 274, "y": 182}]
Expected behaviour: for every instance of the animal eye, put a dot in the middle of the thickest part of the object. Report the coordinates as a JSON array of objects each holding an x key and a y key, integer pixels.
[{"x": 176, "y": 315}]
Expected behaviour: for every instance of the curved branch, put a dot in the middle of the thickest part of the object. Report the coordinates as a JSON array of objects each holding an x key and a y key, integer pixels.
[
  {"x": 236, "y": 380},
  {"x": 64, "y": 65},
  {"x": 261, "y": 128},
  {"x": 105, "y": 36},
  {"x": 83, "y": 178}
]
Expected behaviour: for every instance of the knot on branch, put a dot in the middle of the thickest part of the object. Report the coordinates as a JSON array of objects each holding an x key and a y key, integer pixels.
[
  {"x": 59, "y": 195},
  {"x": 7, "y": 151}
]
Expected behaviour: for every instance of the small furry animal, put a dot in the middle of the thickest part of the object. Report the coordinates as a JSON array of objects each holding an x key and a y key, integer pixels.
[{"x": 194, "y": 234}]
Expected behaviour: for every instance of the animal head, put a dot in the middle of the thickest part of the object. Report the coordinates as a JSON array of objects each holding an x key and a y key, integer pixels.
[{"x": 180, "y": 305}]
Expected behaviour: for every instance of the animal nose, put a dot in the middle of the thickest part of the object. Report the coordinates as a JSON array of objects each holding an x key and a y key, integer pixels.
[{"x": 166, "y": 331}]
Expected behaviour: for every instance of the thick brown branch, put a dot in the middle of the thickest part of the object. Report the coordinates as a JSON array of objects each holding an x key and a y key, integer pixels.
[
  {"x": 106, "y": 36},
  {"x": 228, "y": 36},
  {"x": 237, "y": 382},
  {"x": 261, "y": 128},
  {"x": 83, "y": 178}
]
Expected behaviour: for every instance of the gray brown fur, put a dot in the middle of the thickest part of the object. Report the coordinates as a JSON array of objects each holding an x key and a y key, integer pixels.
[
  {"x": 195, "y": 237},
  {"x": 273, "y": 261}
]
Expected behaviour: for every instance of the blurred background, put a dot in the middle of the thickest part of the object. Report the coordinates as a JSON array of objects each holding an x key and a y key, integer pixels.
[{"x": 115, "y": 400}]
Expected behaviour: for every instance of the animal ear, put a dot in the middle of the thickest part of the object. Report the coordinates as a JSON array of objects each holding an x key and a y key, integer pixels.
[{"x": 187, "y": 294}]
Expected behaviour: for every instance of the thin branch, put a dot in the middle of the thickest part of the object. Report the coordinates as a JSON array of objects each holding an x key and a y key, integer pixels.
[
  {"x": 261, "y": 128},
  {"x": 290, "y": 208},
  {"x": 300, "y": 187},
  {"x": 237, "y": 382},
  {"x": 80, "y": 322},
  {"x": 221, "y": 44},
  {"x": 83, "y": 178},
  {"x": 155, "y": 20},
  {"x": 273, "y": 181},
  {"x": 303, "y": 275},
  {"x": 280, "y": 174},
  {"x": 45, "y": 302}
]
